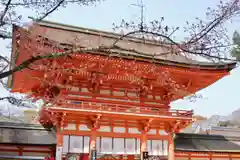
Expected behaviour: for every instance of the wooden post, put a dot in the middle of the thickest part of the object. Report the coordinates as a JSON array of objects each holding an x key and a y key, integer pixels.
[
  {"x": 230, "y": 156},
  {"x": 143, "y": 146},
  {"x": 130, "y": 157},
  {"x": 59, "y": 144},
  {"x": 92, "y": 149},
  {"x": 93, "y": 138},
  {"x": 189, "y": 156},
  {"x": 171, "y": 153},
  {"x": 210, "y": 156},
  {"x": 20, "y": 153}
]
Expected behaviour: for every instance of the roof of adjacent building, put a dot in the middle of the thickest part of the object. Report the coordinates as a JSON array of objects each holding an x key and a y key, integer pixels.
[
  {"x": 93, "y": 37},
  {"x": 213, "y": 126},
  {"x": 9, "y": 119},
  {"x": 225, "y": 131},
  {"x": 22, "y": 133},
  {"x": 206, "y": 143}
]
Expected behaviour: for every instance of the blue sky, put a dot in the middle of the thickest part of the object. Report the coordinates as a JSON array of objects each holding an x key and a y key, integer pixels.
[{"x": 220, "y": 98}]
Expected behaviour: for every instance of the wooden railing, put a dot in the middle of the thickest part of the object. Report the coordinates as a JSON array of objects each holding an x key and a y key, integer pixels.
[
  {"x": 113, "y": 99},
  {"x": 108, "y": 107}
]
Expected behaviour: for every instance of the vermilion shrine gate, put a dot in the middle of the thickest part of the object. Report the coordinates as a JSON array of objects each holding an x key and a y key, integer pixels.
[{"x": 111, "y": 101}]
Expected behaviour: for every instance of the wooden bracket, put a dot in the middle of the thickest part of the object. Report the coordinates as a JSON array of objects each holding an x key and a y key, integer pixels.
[
  {"x": 168, "y": 127},
  {"x": 94, "y": 82},
  {"x": 94, "y": 122},
  {"x": 145, "y": 126},
  {"x": 57, "y": 119},
  {"x": 177, "y": 127},
  {"x": 173, "y": 127},
  {"x": 61, "y": 117}
]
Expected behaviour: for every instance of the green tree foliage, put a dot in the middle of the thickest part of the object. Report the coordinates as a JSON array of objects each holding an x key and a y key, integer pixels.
[{"x": 236, "y": 42}]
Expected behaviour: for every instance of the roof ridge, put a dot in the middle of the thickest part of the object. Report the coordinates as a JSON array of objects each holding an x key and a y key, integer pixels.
[
  {"x": 98, "y": 32},
  {"x": 113, "y": 35},
  {"x": 20, "y": 125},
  {"x": 207, "y": 136}
]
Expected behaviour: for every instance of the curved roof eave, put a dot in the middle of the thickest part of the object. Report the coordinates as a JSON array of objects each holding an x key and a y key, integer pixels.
[{"x": 225, "y": 66}]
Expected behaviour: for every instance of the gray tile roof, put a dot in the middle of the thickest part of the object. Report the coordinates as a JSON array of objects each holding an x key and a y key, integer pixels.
[
  {"x": 206, "y": 143},
  {"x": 225, "y": 131},
  {"x": 21, "y": 133},
  {"x": 91, "y": 38},
  {"x": 10, "y": 119}
]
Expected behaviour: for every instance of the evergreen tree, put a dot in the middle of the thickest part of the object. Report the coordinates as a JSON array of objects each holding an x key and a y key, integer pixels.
[{"x": 236, "y": 49}]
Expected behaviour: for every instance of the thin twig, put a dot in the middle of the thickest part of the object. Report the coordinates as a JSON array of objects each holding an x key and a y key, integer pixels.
[
  {"x": 5, "y": 59},
  {"x": 51, "y": 10},
  {"x": 4, "y": 13}
]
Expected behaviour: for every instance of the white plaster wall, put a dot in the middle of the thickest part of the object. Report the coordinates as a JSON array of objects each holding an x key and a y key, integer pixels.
[{"x": 76, "y": 144}]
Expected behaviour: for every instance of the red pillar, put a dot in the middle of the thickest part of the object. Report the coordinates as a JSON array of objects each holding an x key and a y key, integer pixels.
[
  {"x": 59, "y": 144},
  {"x": 20, "y": 153},
  {"x": 143, "y": 146},
  {"x": 93, "y": 140},
  {"x": 130, "y": 157},
  {"x": 171, "y": 153}
]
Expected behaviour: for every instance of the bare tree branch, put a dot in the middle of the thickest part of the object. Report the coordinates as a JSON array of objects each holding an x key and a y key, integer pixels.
[
  {"x": 14, "y": 101},
  {"x": 3, "y": 36},
  {"x": 4, "y": 13},
  {"x": 51, "y": 10},
  {"x": 5, "y": 59},
  {"x": 35, "y": 3}
]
